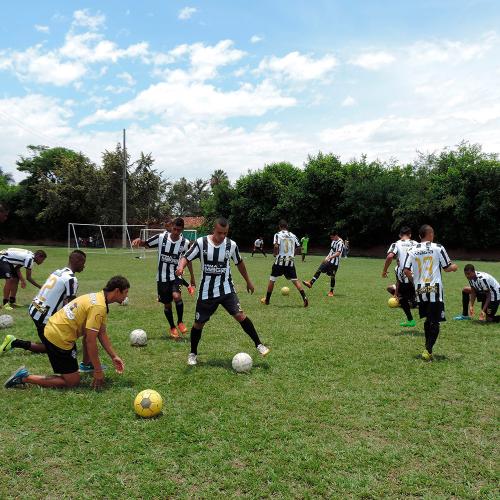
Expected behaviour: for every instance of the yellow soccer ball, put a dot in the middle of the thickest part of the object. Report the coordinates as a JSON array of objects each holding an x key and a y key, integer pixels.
[
  {"x": 393, "y": 302},
  {"x": 285, "y": 290},
  {"x": 148, "y": 403}
]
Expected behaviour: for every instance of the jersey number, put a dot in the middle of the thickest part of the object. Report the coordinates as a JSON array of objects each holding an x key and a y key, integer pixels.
[
  {"x": 47, "y": 286},
  {"x": 425, "y": 264}
]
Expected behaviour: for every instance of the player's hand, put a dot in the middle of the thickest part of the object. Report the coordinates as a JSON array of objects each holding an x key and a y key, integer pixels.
[
  {"x": 179, "y": 271},
  {"x": 482, "y": 316},
  {"x": 250, "y": 287},
  {"x": 23, "y": 284},
  {"x": 471, "y": 311},
  {"x": 136, "y": 242},
  {"x": 384, "y": 274},
  {"x": 118, "y": 364},
  {"x": 191, "y": 289},
  {"x": 98, "y": 380}
]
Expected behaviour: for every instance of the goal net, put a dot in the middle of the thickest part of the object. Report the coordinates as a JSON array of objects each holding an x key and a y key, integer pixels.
[{"x": 102, "y": 238}]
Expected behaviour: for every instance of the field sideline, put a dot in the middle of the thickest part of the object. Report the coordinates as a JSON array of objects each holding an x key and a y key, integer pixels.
[{"x": 341, "y": 407}]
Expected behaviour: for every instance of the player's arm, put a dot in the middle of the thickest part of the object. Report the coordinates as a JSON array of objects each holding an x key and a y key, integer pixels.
[
  {"x": 182, "y": 264},
  {"x": 30, "y": 279},
  {"x": 93, "y": 355},
  {"x": 191, "y": 273},
  {"x": 243, "y": 271},
  {"x": 482, "y": 314},
  {"x": 137, "y": 242},
  {"x": 106, "y": 344},
  {"x": 451, "y": 268},
  {"x": 472, "y": 300},
  {"x": 387, "y": 263}
]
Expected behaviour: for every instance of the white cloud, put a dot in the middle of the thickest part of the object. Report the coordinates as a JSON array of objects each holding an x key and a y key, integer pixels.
[
  {"x": 298, "y": 67},
  {"x": 187, "y": 13},
  {"x": 127, "y": 78},
  {"x": 42, "y": 28},
  {"x": 373, "y": 60},
  {"x": 348, "y": 102},
  {"x": 256, "y": 39},
  {"x": 85, "y": 19}
]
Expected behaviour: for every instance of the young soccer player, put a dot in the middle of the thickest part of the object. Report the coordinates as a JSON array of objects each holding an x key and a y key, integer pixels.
[
  {"x": 86, "y": 316},
  {"x": 304, "y": 244},
  {"x": 285, "y": 244},
  {"x": 426, "y": 259},
  {"x": 216, "y": 285},
  {"x": 330, "y": 264},
  {"x": 258, "y": 246}
]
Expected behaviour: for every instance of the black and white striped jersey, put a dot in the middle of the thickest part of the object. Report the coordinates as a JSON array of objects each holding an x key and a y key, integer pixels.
[
  {"x": 18, "y": 257},
  {"x": 287, "y": 243},
  {"x": 216, "y": 280},
  {"x": 169, "y": 254},
  {"x": 336, "y": 246},
  {"x": 400, "y": 249},
  {"x": 426, "y": 261},
  {"x": 60, "y": 285},
  {"x": 484, "y": 283}
]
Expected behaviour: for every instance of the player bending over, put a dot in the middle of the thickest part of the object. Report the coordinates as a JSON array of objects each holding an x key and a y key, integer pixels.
[
  {"x": 330, "y": 265},
  {"x": 258, "y": 246},
  {"x": 216, "y": 286},
  {"x": 486, "y": 289},
  {"x": 404, "y": 290},
  {"x": 285, "y": 244},
  {"x": 426, "y": 259},
  {"x": 86, "y": 317}
]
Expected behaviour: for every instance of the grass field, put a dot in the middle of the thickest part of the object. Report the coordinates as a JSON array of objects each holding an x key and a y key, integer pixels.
[{"x": 341, "y": 407}]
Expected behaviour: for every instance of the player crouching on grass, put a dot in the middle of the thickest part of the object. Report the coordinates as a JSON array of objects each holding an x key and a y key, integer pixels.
[
  {"x": 216, "y": 286},
  {"x": 85, "y": 317}
]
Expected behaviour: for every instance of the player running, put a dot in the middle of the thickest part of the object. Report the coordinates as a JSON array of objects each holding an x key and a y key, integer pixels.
[
  {"x": 330, "y": 264},
  {"x": 404, "y": 290},
  {"x": 426, "y": 259},
  {"x": 285, "y": 244},
  {"x": 59, "y": 289},
  {"x": 171, "y": 247},
  {"x": 486, "y": 289},
  {"x": 216, "y": 286},
  {"x": 85, "y": 317}
]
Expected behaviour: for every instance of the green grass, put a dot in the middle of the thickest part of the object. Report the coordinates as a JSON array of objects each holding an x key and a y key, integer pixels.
[{"x": 341, "y": 407}]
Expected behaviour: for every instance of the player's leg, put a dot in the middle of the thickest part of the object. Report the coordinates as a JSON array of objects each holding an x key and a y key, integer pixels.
[
  {"x": 6, "y": 291},
  {"x": 13, "y": 291},
  {"x": 253, "y": 251},
  {"x": 179, "y": 308},
  {"x": 165, "y": 297},
  {"x": 204, "y": 310},
  {"x": 332, "y": 272},
  {"x": 276, "y": 272},
  {"x": 11, "y": 342},
  {"x": 491, "y": 311},
  {"x": 405, "y": 293},
  {"x": 321, "y": 269},
  {"x": 392, "y": 290},
  {"x": 291, "y": 274},
  {"x": 466, "y": 291}
]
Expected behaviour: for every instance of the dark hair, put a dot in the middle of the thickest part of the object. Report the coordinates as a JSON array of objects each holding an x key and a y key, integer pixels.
[
  {"x": 117, "y": 282},
  {"x": 468, "y": 268},
  {"x": 283, "y": 224},
  {"x": 405, "y": 230},
  {"x": 41, "y": 253},
  {"x": 76, "y": 253},
  {"x": 424, "y": 230},
  {"x": 178, "y": 222},
  {"x": 222, "y": 221},
  {"x": 334, "y": 232}
]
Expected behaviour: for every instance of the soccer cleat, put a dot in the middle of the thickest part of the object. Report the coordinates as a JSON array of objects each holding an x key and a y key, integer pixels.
[
  {"x": 330, "y": 294},
  {"x": 174, "y": 334},
  {"x": 263, "y": 350},
  {"x": 410, "y": 323},
  {"x": 8, "y": 307},
  {"x": 306, "y": 302},
  {"x": 426, "y": 355},
  {"x": 307, "y": 283},
  {"x": 16, "y": 378},
  {"x": 7, "y": 343},
  {"x": 182, "y": 328},
  {"x": 191, "y": 290},
  {"x": 14, "y": 305},
  {"x": 461, "y": 317},
  {"x": 264, "y": 301},
  {"x": 192, "y": 361},
  {"x": 88, "y": 367}
]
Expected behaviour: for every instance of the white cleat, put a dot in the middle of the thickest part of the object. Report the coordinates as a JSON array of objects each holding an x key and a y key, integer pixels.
[
  {"x": 263, "y": 350},
  {"x": 192, "y": 359}
]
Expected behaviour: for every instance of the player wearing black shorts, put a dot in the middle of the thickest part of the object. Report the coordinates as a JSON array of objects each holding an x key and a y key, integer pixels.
[{"x": 216, "y": 286}]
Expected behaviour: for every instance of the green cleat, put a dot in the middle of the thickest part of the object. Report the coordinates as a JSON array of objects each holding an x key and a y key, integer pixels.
[
  {"x": 426, "y": 355},
  {"x": 7, "y": 343},
  {"x": 408, "y": 324}
]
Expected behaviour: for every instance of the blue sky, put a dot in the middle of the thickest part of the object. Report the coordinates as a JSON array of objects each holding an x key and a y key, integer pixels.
[{"x": 235, "y": 85}]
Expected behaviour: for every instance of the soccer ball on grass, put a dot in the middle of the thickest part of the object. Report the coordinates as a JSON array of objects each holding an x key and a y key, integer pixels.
[
  {"x": 242, "y": 362},
  {"x": 6, "y": 321},
  {"x": 138, "y": 338},
  {"x": 285, "y": 290},
  {"x": 148, "y": 403}
]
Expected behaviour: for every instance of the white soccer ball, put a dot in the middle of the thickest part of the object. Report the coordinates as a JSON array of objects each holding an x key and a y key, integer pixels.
[
  {"x": 6, "y": 321},
  {"x": 124, "y": 302},
  {"x": 242, "y": 362},
  {"x": 138, "y": 338}
]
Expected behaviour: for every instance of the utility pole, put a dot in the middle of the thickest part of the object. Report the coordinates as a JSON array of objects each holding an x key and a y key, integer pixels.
[{"x": 124, "y": 194}]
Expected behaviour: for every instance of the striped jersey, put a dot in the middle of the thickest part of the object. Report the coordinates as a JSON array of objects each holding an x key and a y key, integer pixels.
[
  {"x": 426, "y": 261},
  {"x": 287, "y": 242},
  {"x": 258, "y": 243},
  {"x": 18, "y": 257},
  {"x": 60, "y": 285},
  {"x": 400, "y": 249},
  {"x": 216, "y": 280},
  {"x": 169, "y": 254},
  {"x": 336, "y": 246},
  {"x": 484, "y": 283}
]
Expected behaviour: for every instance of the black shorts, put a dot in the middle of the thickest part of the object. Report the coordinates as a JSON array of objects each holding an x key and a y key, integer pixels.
[
  {"x": 328, "y": 268},
  {"x": 63, "y": 361},
  {"x": 205, "y": 308},
  {"x": 492, "y": 308},
  {"x": 481, "y": 297},
  {"x": 288, "y": 272},
  {"x": 165, "y": 290},
  {"x": 406, "y": 291},
  {"x": 40, "y": 327},
  {"x": 433, "y": 311},
  {"x": 7, "y": 270}
]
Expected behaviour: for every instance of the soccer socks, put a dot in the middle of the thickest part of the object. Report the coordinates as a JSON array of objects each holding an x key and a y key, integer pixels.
[
  {"x": 405, "y": 305},
  {"x": 465, "y": 304},
  {"x": 12, "y": 300},
  {"x": 332, "y": 283},
  {"x": 303, "y": 294},
  {"x": 170, "y": 316},
  {"x": 195, "y": 339},
  {"x": 268, "y": 297},
  {"x": 5, "y": 301},
  {"x": 431, "y": 334},
  {"x": 249, "y": 329},
  {"x": 179, "y": 307},
  {"x": 317, "y": 274},
  {"x": 21, "y": 344}
]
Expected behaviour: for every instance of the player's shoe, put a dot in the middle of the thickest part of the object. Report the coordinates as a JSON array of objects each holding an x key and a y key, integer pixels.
[
  {"x": 462, "y": 317},
  {"x": 330, "y": 294},
  {"x": 307, "y": 283},
  {"x": 191, "y": 289},
  {"x": 182, "y": 328},
  {"x": 192, "y": 361},
  {"x": 174, "y": 334},
  {"x": 8, "y": 307},
  {"x": 408, "y": 324},
  {"x": 306, "y": 302},
  {"x": 264, "y": 301},
  {"x": 7, "y": 343},
  {"x": 263, "y": 350},
  {"x": 15, "y": 305},
  {"x": 17, "y": 377},
  {"x": 88, "y": 367},
  {"x": 426, "y": 355}
]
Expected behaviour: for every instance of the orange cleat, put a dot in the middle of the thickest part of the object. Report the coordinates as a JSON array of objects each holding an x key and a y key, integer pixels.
[
  {"x": 174, "y": 334},
  {"x": 191, "y": 290},
  {"x": 182, "y": 328},
  {"x": 307, "y": 283},
  {"x": 330, "y": 294}
]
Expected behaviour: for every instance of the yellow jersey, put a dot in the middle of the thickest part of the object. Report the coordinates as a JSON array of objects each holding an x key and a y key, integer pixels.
[{"x": 89, "y": 311}]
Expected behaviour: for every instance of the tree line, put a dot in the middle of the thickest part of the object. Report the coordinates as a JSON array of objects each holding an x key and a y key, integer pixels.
[{"x": 456, "y": 190}]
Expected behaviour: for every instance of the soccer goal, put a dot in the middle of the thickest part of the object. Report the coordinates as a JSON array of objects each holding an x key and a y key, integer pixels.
[{"x": 102, "y": 238}]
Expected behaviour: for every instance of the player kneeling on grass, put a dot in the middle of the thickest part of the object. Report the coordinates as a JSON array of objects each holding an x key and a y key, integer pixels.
[
  {"x": 216, "y": 286},
  {"x": 86, "y": 317}
]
